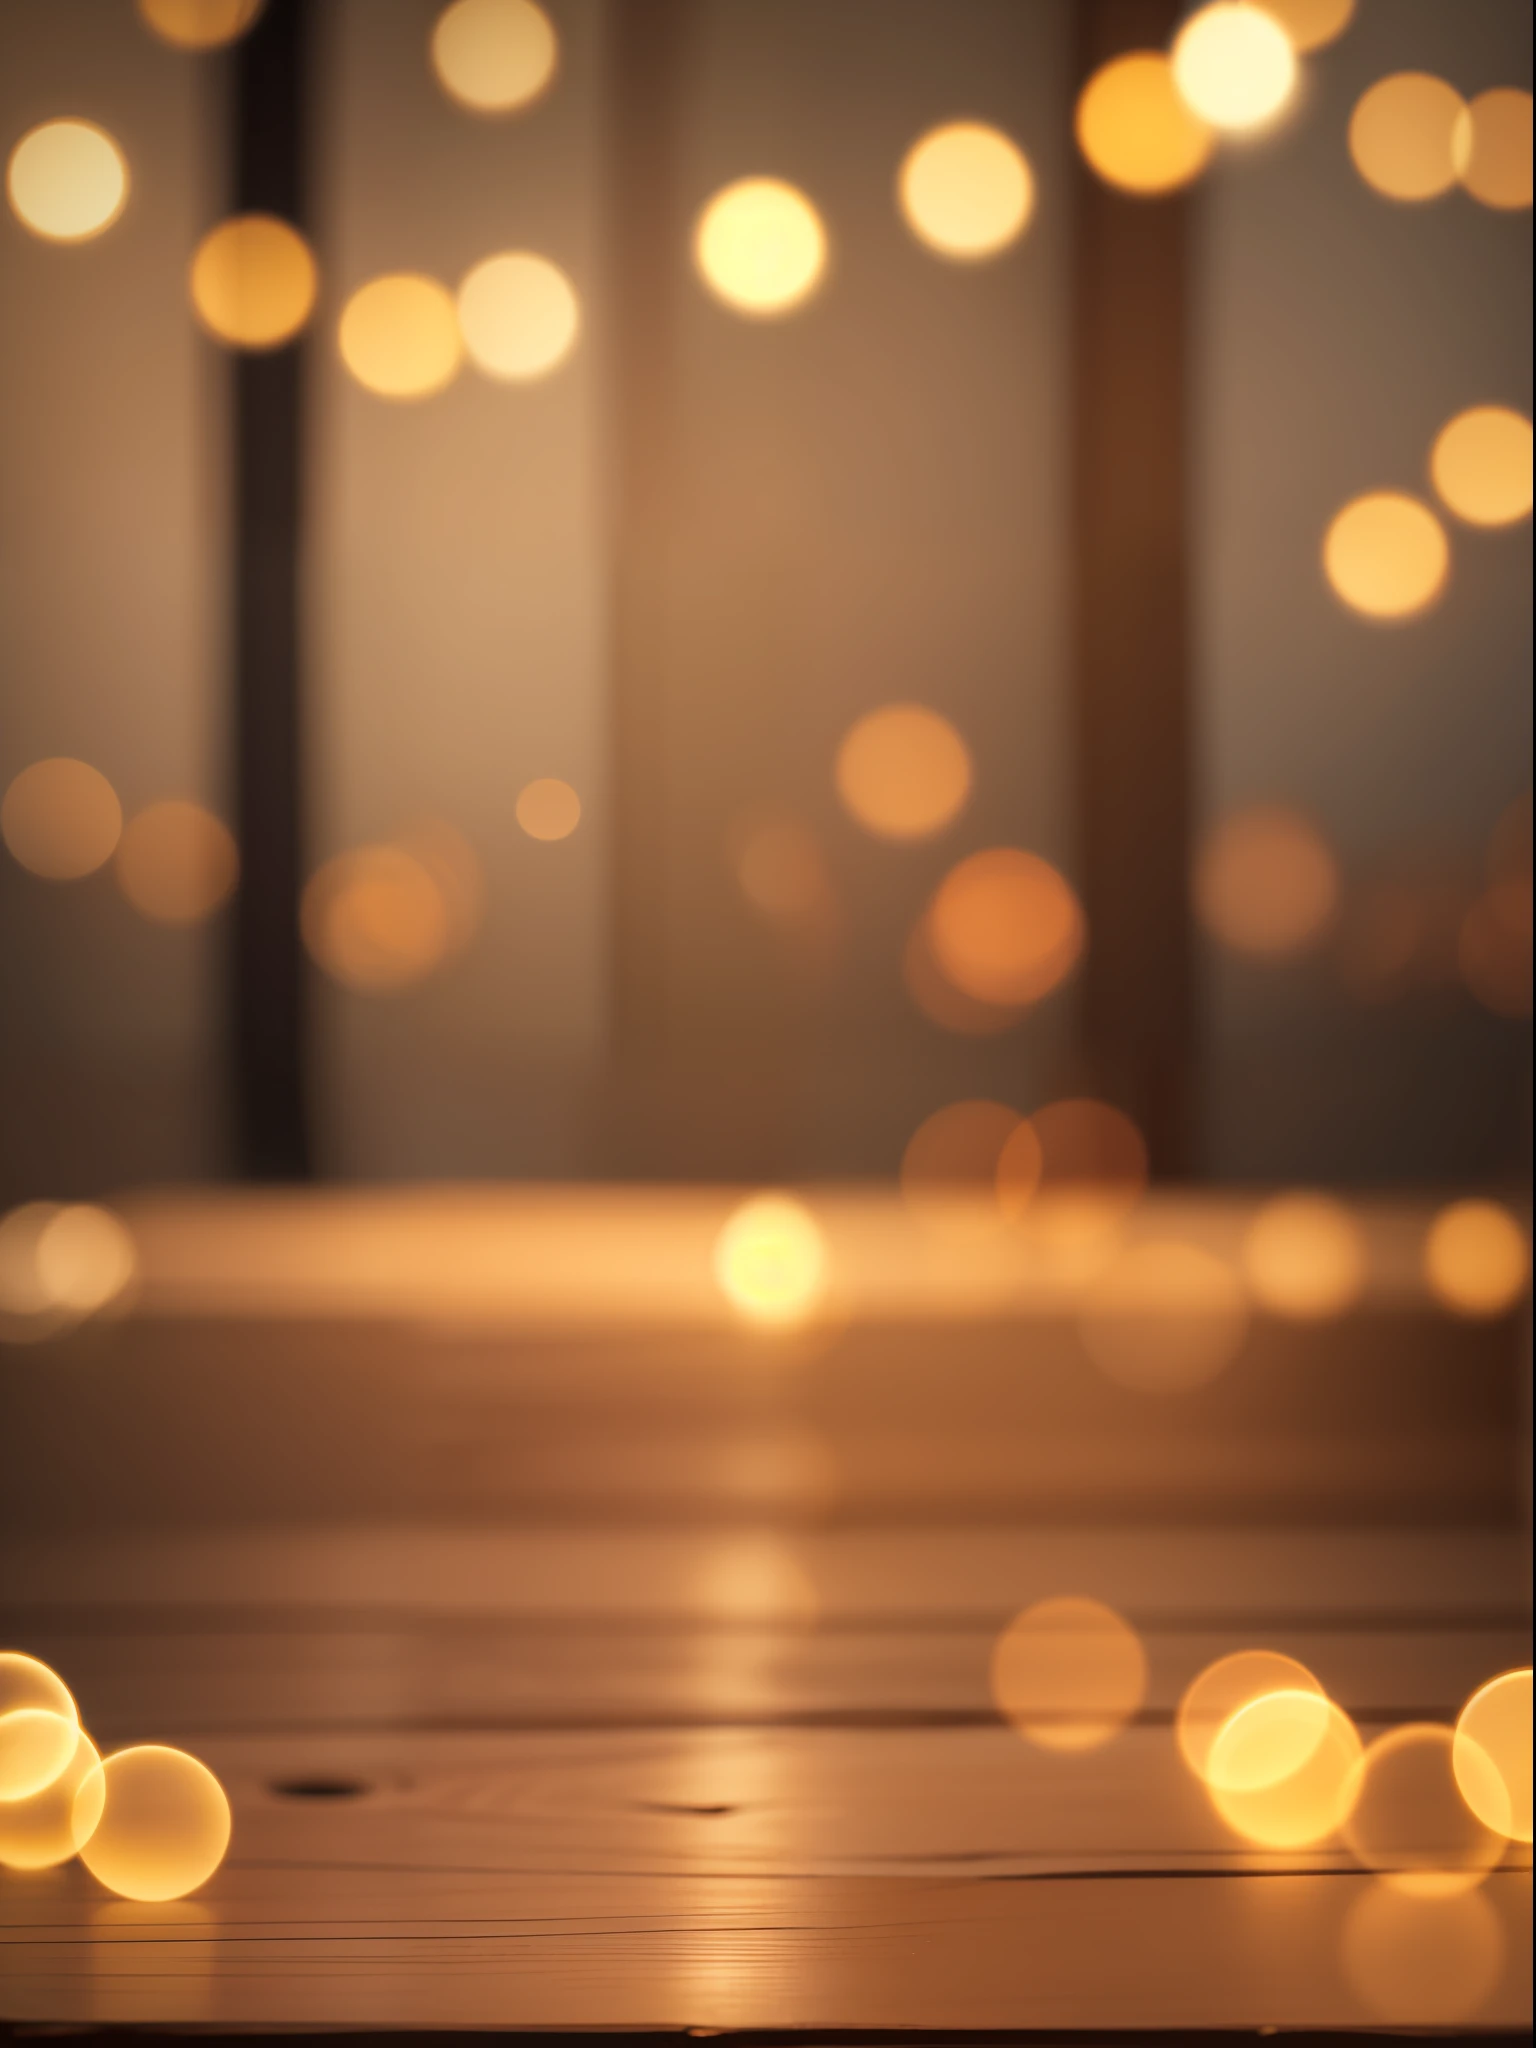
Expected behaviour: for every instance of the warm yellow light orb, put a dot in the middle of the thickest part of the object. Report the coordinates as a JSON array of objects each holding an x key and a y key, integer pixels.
[
  {"x": 949, "y": 1167},
  {"x": 1386, "y": 555},
  {"x": 1410, "y": 137},
  {"x": 176, "y": 862},
  {"x": 399, "y": 336},
  {"x": 376, "y": 919},
  {"x": 1409, "y": 1821},
  {"x": 903, "y": 772},
  {"x": 1257, "y": 1785},
  {"x": 519, "y": 316},
  {"x": 1481, "y": 465},
  {"x": 1266, "y": 882},
  {"x": 494, "y": 56},
  {"x": 1068, "y": 1673},
  {"x": 1495, "y": 1728},
  {"x": 61, "y": 819},
  {"x": 1234, "y": 65},
  {"x": 771, "y": 1259},
  {"x": 199, "y": 24},
  {"x": 1164, "y": 1317},
  {"x": 1311, "y": 24},
  {"x": 548, "y": 808},
  {"x": 67, "y": 181},
  {"x": 1476, "y": 1259},
  {"x": 760, "y": 247},
  {"x": 966, "y": 190},
  {"x": 36, "y": 1833},
  {"x": 1072, "y": 1173},
  {"x": 1216, "y": 1694},
  {"x": 1304, "y": 1257},
  {"x": 1493, "y": 149},
  {"x": 1006, "y": 927},
  {"x": 38, "y": 1724},
  {"x": 253, "y": 281},
  {"x": 1135, "y": 128},
  {"x": 86, "y": 1258},
  {"x": 151, "y": 1823}
]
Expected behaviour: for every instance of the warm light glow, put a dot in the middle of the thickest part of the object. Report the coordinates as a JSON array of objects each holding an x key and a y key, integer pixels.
[
  {"x": 1164, "y": 1317},
  {"x": 375, "y": 918},
  {"x": 36, "y": 1833},
  {"x": 1073, "y": 1173},
  {"x": 1266, "y": 882},
  {"x": 938, "y": 998},
  {"x": 1476, "y": 1259},
  {"x": 1304, "y": 1257},
  {"x": 949, "y": 1168},
  {"x": 1292, "y": 1811},
  {"x": 1005, "y": 927},
  {"x": 61, "y": 819},
  {"x": 253, "y": 281},
  {"x": 67, "y": 181},
  {"x": 1218, "y": 1692},
  {"x": 1481, "y": 464},
  {"x": 1493, "y": 148},
  {"x": 1495, "y": 1730},
  {"x": 903, "y": 772},
  {"x": 199, "y": 24},
  {"x": 1410, "y": 136},
  {"x": 176, "y": 862},
  {"x": 760, "y": 247},
  {"x": 1069, "y": 1673},
  {"x": 1493, "y": 948},
  {"x": 771, "y": 1259},
  {"x": 519, "y": 316},
  {"x": 494, "y": 56},
  {"x": 151, "y": 1823},
  {"x": 86, "y": 1258},
  {"x": 548, "y": 808},
  {"x": 399, "y": 336},
  {"x": 1311, "y": 24},
  {"x": 1409, "y": 1821},
  {"x": 1386, "y": 555},
  {"x": 1135, "y": 129},
  {"x": 1422, "y": 1962},
  {"x": 453, "y": 865},
  {"x": 782, "y": 872},
  {"x": 966, "y": 190},
  {"x": 38, "y": 1724},
  {"x": 26, "y": 1312},
  {"x": 1234, "y": 64}
]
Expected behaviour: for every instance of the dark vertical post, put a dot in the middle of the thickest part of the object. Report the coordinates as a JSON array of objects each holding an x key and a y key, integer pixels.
[
  {"x": 1133, "y": 692},
  {"x": 268, "y": 981}
]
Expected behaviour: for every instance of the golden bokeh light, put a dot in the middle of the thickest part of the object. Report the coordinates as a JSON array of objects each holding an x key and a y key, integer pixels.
[
  {"x": 375, "y": 919},
  {"x": 770, "y": 1259},
  {"x": 86, "y": 1258},
  {"x": 1421, "y": 1962},
  {"x": 1164, "y": 1317},
  {"x": 494, "y": 56},
  {"x": 760, "y": 247},
  {"x": 519, "y": 316},
  {"x": 1216, "y": 1694},
  {"x": 1476, "y": 1259},
  {"x": 548, "y": 808},
  {"x": 199, "y": 24},
  {"x": 1386, "y": 555},
  {"x": 1006, "y": 927},
  {"x": 399, "y": 336},
  {"x": 38, "y": 1722},
  {"x": 1494, "y": 1732},
  {"x": 26, "y": 1311},
  {"x": 1135, "y": 129},
  {"x": 1481, "y": 465},
  {"x": 1408, "y": 1820},
  {"x": 1409, "y": 136},
  {"x": 1266, "y": 882},
  {"x": 940, "y": 1001},
  {"x": 151, "y": 1823},
  {"x": 1311, "y": 24},
  {"x": 782, "y": 872},
  {"x": 36, "y": 1833},
  {"x": 1234, "y": 65},
  {"x": 1250, "y": 1782},
  {"x": 67, "y": 181},
  {"x": 176, "y": 862},
  {"x": 253, "y": 281},
  {"x": 1494, "y": 149},
  {"x": 1072, "y": 1173},
  {"x": 61, "y": 819},
  {"x": 1304, "y": 1257},
  {"x": 1068, "y": 1673},
  {"x": 949, "y": 1168},
  {"x": 1493, "y": 948},
  {"x": 903, "y": 771},
  {"x": 966, "y": 190}
]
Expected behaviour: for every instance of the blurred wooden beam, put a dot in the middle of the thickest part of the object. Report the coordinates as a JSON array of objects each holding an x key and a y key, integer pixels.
[
  {"x": 268, "y": 979},
  {"x": 1133, "y": 689}
]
